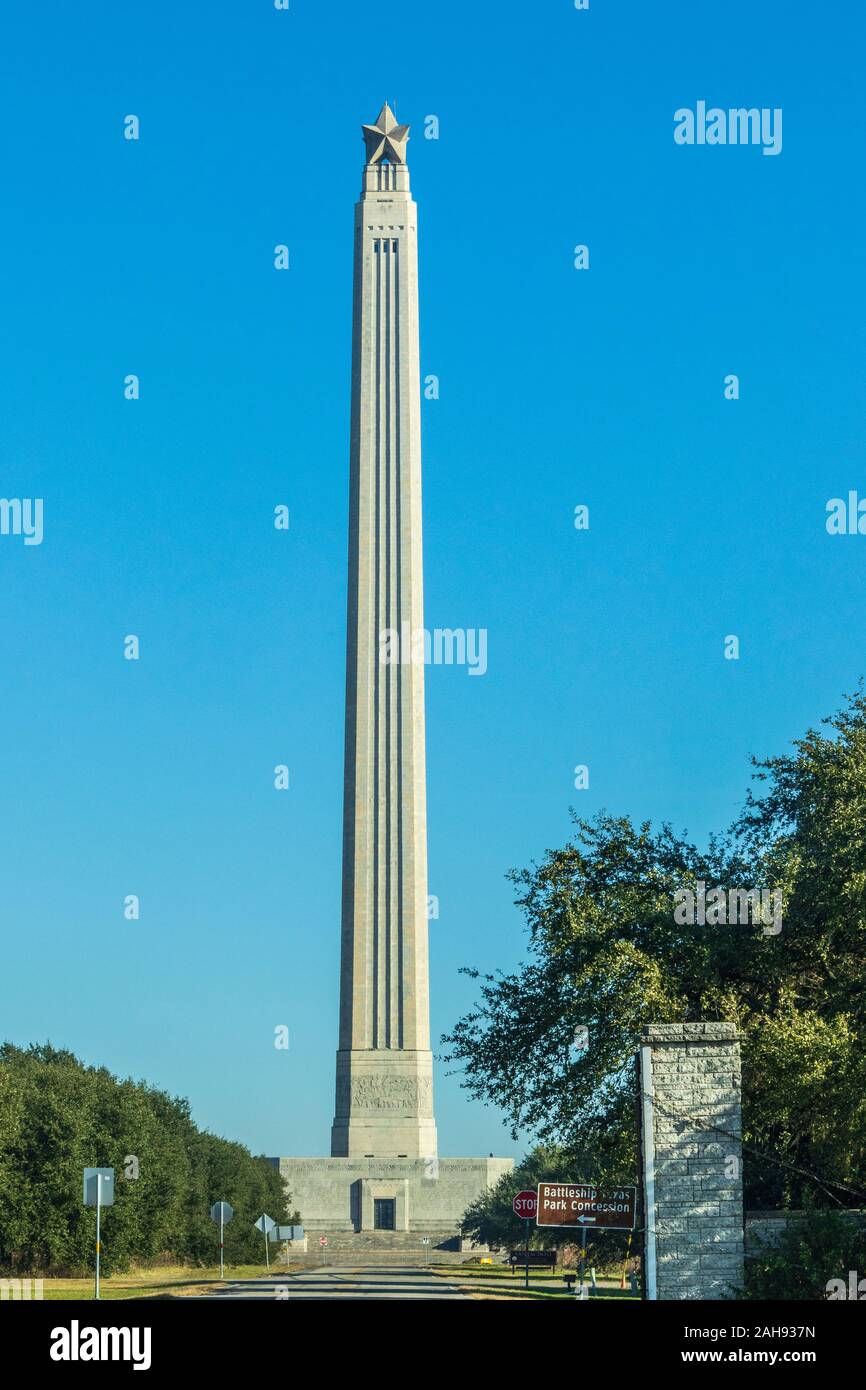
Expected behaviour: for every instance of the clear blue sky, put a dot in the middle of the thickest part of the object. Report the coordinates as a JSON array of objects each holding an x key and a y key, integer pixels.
[{"x": 558, "y": 387}]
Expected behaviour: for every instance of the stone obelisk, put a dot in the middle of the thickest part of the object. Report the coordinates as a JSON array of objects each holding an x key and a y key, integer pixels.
[
  {"x": 384, "y": 1096},
  {"x": 384, "y": 1181}
]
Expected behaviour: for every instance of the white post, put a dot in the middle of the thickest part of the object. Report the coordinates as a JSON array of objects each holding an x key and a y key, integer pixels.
[
  {"x": 98, "y": 1214},
  {"x": 649, "y": 1176},
  {"x": 221, "y": 1242}
]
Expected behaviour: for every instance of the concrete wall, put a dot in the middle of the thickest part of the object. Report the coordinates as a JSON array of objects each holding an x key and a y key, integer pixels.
[
  {"x": 691, "y": 1110},
  {"x": 335, "y": 1195}
]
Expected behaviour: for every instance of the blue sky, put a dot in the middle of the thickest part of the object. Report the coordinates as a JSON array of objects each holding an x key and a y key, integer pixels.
[{"x": 558, "y": 387}]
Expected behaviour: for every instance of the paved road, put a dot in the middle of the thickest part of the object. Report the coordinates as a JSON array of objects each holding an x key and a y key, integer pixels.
[{"x": 346, "y": 1284}]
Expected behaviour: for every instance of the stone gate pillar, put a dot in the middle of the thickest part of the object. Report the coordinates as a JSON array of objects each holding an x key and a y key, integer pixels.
[{"x": 692, "y": 1159}]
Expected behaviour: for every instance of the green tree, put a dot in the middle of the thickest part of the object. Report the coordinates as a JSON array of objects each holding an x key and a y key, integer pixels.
[
  {"x": 802, "y": 1264},
  {"x": 606, "y": 952},
  {"x": 58, "y": 1117},
  {"x": 490, "y": 1220}
]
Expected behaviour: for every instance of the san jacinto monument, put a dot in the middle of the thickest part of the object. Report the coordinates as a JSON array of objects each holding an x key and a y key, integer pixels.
[{"x": 384, "y": 1174}]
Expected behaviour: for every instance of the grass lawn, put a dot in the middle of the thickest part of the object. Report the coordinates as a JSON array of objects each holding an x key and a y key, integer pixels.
[
  {"x": 497, "y": 1281},
  {"x": 168, "y": 1281}
]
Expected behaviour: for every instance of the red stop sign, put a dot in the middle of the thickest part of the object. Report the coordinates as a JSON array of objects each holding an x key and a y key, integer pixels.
[{"x": 525, "y": 1204}]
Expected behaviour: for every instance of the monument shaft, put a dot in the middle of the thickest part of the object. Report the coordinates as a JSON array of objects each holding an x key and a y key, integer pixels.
[
  {"x": 384, "y": 1182},
  {"x": 384, "y": 1102}
]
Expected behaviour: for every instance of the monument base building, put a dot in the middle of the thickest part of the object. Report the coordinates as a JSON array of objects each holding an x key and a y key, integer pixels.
[
  {"x": 384, "y": 1181},
  {"x": 387, "y": 1203}
]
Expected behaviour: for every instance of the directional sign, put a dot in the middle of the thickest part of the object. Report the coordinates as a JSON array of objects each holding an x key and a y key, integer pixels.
[
  {"x": 264, "y": 1224},
  {"x": 221, "y": 1211},
  {"x": 286, "y": 1233},
  {"x": 586, "y": 1206},
  {"x": 106, "y": 1187},
  {"x": 525, "y": 1204}
]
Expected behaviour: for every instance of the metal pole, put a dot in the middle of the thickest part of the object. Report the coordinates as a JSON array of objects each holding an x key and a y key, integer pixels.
[
  {"x": 526, "y": 1241},
  {"x": 625, "y": 1261},
  {"x": 98, "y": 1214},
  {"x": 267, "y": 1257},
  {"x": 221, "y": 1242},
  {"x": 582, "y": 1255}
]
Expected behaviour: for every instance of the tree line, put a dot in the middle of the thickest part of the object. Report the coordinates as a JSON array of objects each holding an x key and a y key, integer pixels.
[{"x": 58, "y": 1116}]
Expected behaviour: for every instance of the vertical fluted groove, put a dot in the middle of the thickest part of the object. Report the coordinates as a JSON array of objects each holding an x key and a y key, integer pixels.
[
  {"x": 398, "y": 455},
  {"x": 381, "y": 672},
  {"x": 387, "y": 615}
]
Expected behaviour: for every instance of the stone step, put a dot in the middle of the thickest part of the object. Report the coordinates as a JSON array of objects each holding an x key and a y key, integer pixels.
[
  {"x": 382, "y": 1242},
  {"x": 372, "y": 1259}
]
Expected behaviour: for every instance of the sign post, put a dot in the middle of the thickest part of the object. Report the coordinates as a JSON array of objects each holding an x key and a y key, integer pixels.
[
  {"x": 99, "y": 1193},
  {"x": 266, "y": 1224},
  {"x": 221, "y": 1213},
  {"x": 286, "y": 1233},
  {"x": 525, "y": 1205},
  {"x": 586, "y": 1207},
  {"x": 98, "y": 1215}
]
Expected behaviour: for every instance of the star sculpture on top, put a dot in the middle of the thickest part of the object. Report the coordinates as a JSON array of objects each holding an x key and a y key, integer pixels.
[{"x": 386, "y": 139}]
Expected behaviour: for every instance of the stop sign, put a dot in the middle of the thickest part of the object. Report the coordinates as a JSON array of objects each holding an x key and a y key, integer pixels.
[{"x": 525, "y": 1204}]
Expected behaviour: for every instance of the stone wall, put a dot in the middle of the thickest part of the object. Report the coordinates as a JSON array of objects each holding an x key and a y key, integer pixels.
[
  {"x": 765, "y": 1227},
  {"x": 337, "y": 1195},
  {"x": 691, "y": 1128}
]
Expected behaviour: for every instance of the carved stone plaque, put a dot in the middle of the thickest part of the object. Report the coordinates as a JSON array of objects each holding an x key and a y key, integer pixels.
[{"x": 409, "y": 1094}]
